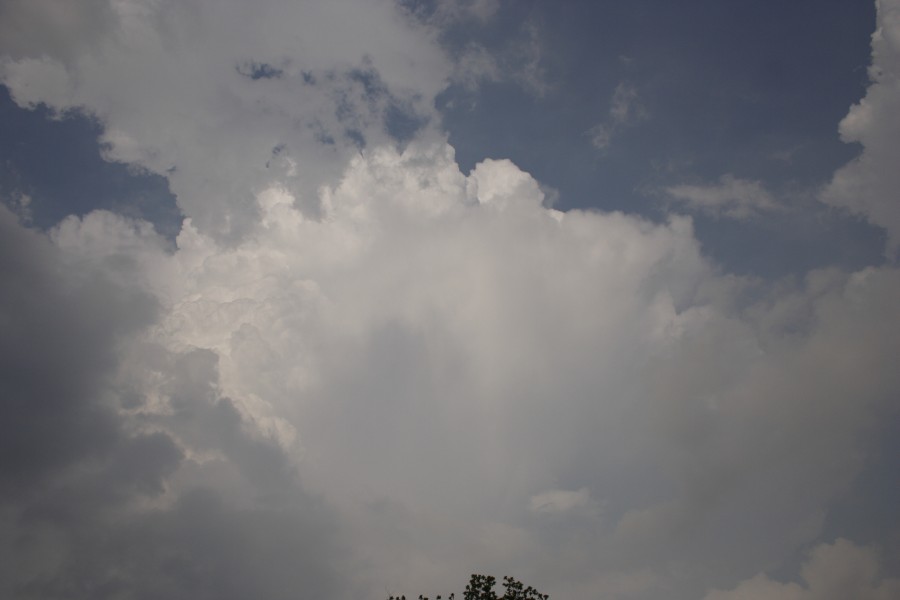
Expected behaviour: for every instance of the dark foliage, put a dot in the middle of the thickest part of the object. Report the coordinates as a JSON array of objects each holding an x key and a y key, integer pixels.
[{"x": 481, "y": 587}]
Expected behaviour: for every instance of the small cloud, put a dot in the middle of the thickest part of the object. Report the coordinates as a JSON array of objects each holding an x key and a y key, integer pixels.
[
  {"x": 19, "y": 203},
  {"x": 474, "y": 65},
  {"x": 22, "y": 206},
  {"x": 625, "y": 110},
  {"x": 601, "y": 136},
  {"x": 624, "y": 107},
  {"x": 460, "y": 10},
  {"x": 519, "y": 61},
  {"x": 447, "y": 13},
  {"x": 785, "y": 155},
  {"x": 554, "y": 502},
  {"x": 730, "y": 198}
]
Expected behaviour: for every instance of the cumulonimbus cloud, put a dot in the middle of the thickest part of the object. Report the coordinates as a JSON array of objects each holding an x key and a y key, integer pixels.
[
  {"x": 439, "y": 349},
  {"x": 391, "y": 374}
]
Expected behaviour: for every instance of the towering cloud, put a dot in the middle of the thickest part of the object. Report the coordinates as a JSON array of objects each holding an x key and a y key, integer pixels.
[
  {"x": 868, "y": 185},
  {"x": 359, "y": 371}
]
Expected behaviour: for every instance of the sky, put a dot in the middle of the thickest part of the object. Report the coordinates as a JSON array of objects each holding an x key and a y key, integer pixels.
[{"x": 354, "y": 299}]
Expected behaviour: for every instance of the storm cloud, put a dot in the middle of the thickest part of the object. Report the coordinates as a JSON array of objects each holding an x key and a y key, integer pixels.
[{"x": 359, "y": 370}]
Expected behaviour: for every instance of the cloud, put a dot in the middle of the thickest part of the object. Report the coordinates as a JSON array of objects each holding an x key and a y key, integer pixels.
[
  {"x": 730, "y": 198},
  {"x": 448, "y": 12},
  {"x": 99, "y": 493},
  {"x": 519, "y": 61},
  {"x": 868, "y": 185},
  {"x": 169, "y": 81},
  {"x": 623, "y": 106},
  {"x": 55, "y": 352},
  {"x": 360, "y": 369},
  {"x": 460, "y": 26},
  {"x": 563, "y": 501},
  {"x": 838, "y": 570},
  {"x": 180, "y": 92},
  {"x": 441, "y": 360},
  {"x": 60, "y": 29},
  {"x": 624, "y": 111}
]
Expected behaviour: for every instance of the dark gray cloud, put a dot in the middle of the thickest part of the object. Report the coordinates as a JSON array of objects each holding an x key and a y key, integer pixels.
[
  {"x": 58, "y": 344},
  {"x": 203, "y": 545},
  {"x": 97, "y": 501}
]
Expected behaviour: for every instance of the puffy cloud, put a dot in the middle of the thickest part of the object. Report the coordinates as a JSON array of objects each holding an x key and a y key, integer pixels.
[
  {"x": 224, "y": 99},
  {"x": 868, "y": 185},
  {"x": 731, "y": 198},
  {"x": 359, "y": 369},
  {"x": 59, "y": 335},
  {"x": 123, "y": 469},
  {"x": 441, "y": 360},
  {"x": 838, "y": 570}
]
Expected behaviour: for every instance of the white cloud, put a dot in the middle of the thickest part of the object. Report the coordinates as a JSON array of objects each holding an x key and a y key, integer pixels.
[
  {"x": 225, "y": 100},
  {"x": 868, "y": 185},
  {"x": 438, "y": 349},
  {"x": 731, "y": 198},
  {"x": 171, "y": 83},
  {"x": 500, "y": 182},
  {"x": 361, "y": 369}
]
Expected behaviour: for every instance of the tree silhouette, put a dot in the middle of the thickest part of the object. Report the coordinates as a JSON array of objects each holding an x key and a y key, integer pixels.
[{"x": 481, "y": 587}]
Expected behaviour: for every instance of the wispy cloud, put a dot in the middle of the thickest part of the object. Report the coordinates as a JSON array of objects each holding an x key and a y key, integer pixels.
[
  {"x": 730, "y": 198},
  {"x": 519, "y": 60},
  {"x": 625, "y": 110}
]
